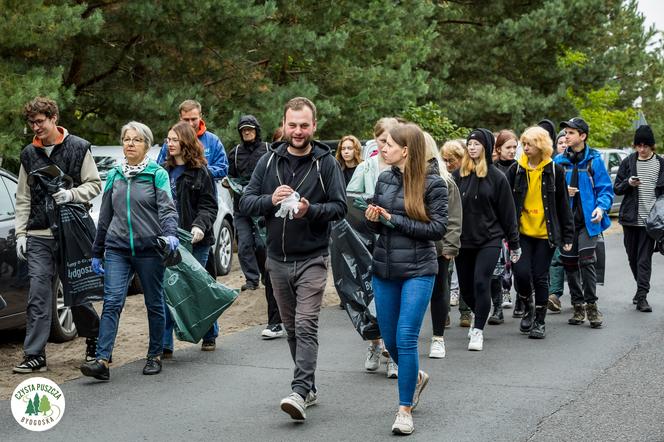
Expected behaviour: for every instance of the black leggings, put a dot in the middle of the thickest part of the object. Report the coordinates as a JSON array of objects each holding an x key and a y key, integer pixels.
[
  {"x": 533, "y": 268},
  {"x": 475, "y": 268},
  {"x": 440, "y": 298}
]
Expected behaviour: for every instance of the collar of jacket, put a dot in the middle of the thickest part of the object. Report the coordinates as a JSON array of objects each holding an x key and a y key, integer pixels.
[
  {"x": 318, "y": 149},
  {"x": 150, "y": 169},
  {"x": 62, "y": 134}
]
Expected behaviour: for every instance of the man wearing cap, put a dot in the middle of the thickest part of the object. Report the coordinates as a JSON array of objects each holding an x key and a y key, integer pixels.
[
  {"x": 641, "y": 180},
  {"x": 591, "y": 196},
  {"x": 215, "y": 154}
]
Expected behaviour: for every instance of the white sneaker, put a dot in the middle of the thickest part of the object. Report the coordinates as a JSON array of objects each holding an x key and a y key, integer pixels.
[
  {"x": 294, "y": 405},
  {"x": 454, "y": 298},
  {"x": 472, "y": 326},
  {"x": 403, "y": 423},
  {"x": 311, "y": 400},
  {"x": 392, "y": 369},
  {"x": 476, "y": 340},
  {"x": 273, "y": 331},
  {"x": 373, "y": 358},
  {"x": 437, "y": 349},
  {"x": 507, "y": 299}
]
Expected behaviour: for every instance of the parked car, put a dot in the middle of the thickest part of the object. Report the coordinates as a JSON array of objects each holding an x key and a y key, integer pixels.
[
  {"x": 107, "y": 157},
  {"x": 14, "y": 273},
  {"x": 612, "y": 159}
]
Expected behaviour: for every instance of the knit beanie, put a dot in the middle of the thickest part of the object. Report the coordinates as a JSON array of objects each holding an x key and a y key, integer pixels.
[{"x": 644, "y": 135}]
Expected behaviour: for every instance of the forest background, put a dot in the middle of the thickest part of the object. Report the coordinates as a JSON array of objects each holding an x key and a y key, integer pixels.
[{"x": 448, "y": 65}]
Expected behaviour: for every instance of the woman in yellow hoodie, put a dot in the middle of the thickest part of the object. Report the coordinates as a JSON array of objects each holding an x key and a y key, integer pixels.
[{"x": 545, "y": 222}]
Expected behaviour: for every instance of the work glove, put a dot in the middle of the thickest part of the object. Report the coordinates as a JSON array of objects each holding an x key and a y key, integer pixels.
[
  {"x": 196, "y": 235},
  {"x": 173, "y": 242},
  {"x": 597, "y": 215},
  {"x": 97, "y": 266},
  {"x": 21, "y": 247},
  {"x": 63, "y": 196},
  {"x": 515, "y": 255}
]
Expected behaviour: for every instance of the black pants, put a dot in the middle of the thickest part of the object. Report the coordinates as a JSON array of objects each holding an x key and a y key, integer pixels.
[
  {"x": 440, "y": 298},
  {"x": 272, "y": 307},
  {"x": 579, "y": 266},
  {"x": 532, "y": 269},
  {"x": 246, "y": 247},
  {"x": 475, "y": 268},
  {"x": 639, "y": 247}
]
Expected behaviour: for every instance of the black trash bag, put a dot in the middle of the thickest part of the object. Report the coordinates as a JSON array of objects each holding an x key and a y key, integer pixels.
[
  {"x": 356, "y": 219},
  {"x": 351, "y": 270},
  {"x": 75, "y": 232},
  {"x": 655, "y": 220}
]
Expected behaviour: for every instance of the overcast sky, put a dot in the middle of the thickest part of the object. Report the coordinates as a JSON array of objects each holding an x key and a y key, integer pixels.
[{"x": 653, "y": 10}]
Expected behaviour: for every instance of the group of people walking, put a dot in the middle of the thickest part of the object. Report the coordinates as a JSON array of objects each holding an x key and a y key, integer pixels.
[{"x": 480, "y": 206}]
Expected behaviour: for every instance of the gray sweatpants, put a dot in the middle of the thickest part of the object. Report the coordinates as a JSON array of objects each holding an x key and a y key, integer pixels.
[
  {"x": 41, "y": 254},
  {"x": 298, "y": 289}
]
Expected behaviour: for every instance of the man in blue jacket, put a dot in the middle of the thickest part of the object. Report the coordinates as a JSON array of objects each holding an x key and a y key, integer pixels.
[
  {"x": 591, "y": 196},
  {"x": 191, "y": 112}
]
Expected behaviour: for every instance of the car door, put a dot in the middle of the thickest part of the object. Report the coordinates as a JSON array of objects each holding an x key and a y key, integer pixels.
[{"x": 13, "y": 274}]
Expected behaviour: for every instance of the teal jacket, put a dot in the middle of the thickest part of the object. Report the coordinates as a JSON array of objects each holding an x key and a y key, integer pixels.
[{"x": 135, "y": 211}]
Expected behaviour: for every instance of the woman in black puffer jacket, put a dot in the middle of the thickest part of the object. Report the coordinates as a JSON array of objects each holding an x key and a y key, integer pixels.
[{"x": 414, "y": 200}]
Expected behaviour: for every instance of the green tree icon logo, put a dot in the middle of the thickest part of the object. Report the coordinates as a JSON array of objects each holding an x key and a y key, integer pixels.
[
  {"x": 31, "y": 409},
  {"x": 35, "y": 403},
  {"x": 44, "y": 405}
]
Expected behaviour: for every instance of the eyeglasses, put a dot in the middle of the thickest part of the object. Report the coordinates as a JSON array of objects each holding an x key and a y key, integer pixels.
[
  {"x": 449, "y": 160},
  {"x": 171, "y": 140},
  {"x": 38, "y": 123},
  {"x": 133, "y": 141}
]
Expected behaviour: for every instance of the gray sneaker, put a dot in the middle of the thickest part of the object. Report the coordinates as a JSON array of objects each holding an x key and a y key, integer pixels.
[
  {"x": 311, "y": 400},
  {"x": 372, "y": 361},
  {"x": 392, "y": 369},
  {"x": 421, "y": 383},
  {"x": 403, "y": 423},
  {"x": 294, "y": 405}
]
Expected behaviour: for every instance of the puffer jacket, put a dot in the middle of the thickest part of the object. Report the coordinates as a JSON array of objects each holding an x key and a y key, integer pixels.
[
  {"x": 408, "y": 249},
  {"x": 135, "y": 211}
]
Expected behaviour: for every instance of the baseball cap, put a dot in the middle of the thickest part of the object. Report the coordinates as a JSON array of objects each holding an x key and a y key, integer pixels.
[
  {"x": 577, "y": 123},
  {"x": 249, "y": 125}
]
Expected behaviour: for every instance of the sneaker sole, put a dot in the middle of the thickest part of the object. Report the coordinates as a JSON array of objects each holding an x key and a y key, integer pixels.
[
  {"x": 294, "y": 412},
  {"x": 571, "y": 322},
  {"x": 496, "y": 321},
  {"x": 595, "y": 325},
  {"x": 397, "y": 430},
  {"x": 29, "y": 370},
  {"x": 87, "y": 372},
  {"x": 267, "y": 338},
  {"x": 208, "y": 348},
  {"x": 393, "y": 376},
  {"x": 436, "y": 356},
  {"x": 371, "y": 369},
  {"x": 475, "y": 349}
]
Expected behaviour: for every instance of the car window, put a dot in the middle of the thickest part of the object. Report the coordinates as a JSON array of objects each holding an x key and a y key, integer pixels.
[
  {"x": 614, "y": 160},
  {"x": 105, "y": 164},
  {"x": 6, "y": 204},
  {"x": 11, "y": 188}
]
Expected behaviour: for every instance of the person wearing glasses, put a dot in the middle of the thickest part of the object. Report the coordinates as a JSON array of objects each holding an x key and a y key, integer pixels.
[
  {"x": 194, "y": 196},
  {"x": 52, "y": 144},
  {"x": 136, "y": 209}
]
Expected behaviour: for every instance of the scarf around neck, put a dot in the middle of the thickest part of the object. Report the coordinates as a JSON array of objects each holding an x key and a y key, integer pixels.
[{"x": 130, "y": 171}]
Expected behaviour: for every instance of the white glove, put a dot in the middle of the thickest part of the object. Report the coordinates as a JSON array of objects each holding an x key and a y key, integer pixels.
[
  {"x": 289, "y": 206},
  {"x": 197, "y": 234},
  {"x": 597, "y": 215},
  {"x": 63, "y": 196},
  {"x": 515, "y": 255},
  {"x": 21, "y": 247}
]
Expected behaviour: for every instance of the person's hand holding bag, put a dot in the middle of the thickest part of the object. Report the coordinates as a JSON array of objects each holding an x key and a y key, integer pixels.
[{"x": 196, "y": 235}]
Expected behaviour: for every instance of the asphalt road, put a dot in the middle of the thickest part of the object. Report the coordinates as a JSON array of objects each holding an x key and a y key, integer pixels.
[{"x": 577, "y": 384}]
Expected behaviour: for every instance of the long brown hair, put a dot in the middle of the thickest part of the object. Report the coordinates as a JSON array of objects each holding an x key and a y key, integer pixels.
[
  {"x": 357, "y": 150},
  {"x": 415, "y": 169},
  {"x": 193, "y": 152},
  {"x": 503, "y": 137}
]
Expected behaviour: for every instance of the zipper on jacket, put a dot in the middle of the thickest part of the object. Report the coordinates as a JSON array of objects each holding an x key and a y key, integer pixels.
[{"x": 131, "y": 232}]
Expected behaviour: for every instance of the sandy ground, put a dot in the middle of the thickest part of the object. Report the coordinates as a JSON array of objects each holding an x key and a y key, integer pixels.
[{"x": 249, "y": 309}]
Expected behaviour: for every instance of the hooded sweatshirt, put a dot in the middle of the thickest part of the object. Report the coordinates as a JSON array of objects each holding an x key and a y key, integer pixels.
[
  {"x": 532, "y": 221},
  {"x": 488, "y": 207}
]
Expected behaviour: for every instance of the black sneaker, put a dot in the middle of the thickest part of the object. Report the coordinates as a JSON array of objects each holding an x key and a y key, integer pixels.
[
  {"x": 90, "y": 349},
  {"x": 31, "y": 364},
  {"x": 209, "y": 345},
  {"x": 643, "y": 306},
  {"x": 152, "y": 366},
  {"x": 96, "y": 369},
  {"x": 249, "y": 286}
]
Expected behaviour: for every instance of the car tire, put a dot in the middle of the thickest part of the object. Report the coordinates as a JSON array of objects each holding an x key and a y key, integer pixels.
[
  {"x": 223, "y": 252},
  {"x": 63, "y": 328}
]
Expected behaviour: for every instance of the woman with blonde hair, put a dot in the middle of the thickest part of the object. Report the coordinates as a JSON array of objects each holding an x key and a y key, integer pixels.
[
  {"x": 545, "y": 222},
  {"x": 412, "y": 196},
  {"x": 365, "y": 176},
  {"x": 446, "y": 249},
  {"x": 488, "y": 217},
  {"x": 452, "y": 153},
  {"x": 349, "y": 155}
]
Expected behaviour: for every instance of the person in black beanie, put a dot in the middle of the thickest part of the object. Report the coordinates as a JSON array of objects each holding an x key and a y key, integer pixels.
[
  {"x": 488, "y": 217},
  {"x": 251, "y": 251},
  {"x": 640, "y": 179}
]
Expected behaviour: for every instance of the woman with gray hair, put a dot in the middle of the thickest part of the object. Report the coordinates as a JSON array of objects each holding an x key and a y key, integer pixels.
[
  {"x": 446, "y": 249},
  {"x": 136, "y": 209}
]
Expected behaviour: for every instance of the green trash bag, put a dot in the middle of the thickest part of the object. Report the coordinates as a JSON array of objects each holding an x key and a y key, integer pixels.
[{"x": 194, "y": 299}]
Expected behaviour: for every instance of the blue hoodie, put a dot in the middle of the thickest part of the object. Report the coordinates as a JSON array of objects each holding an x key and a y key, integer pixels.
[{"x": 595, "y": 188}]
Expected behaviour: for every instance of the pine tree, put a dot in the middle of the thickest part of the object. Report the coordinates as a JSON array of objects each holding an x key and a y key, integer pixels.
[
  {"x": 35, "y": 403},
  {"x": 44, "y": 405},
  {"x": 31, "y": 409}
]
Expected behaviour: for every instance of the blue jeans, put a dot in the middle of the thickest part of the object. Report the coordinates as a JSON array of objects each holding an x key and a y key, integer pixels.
[
  {"x": 400, "y": 306},
  {"x": 201, "y": 253},
  {"x": 119, "y": 268}
]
